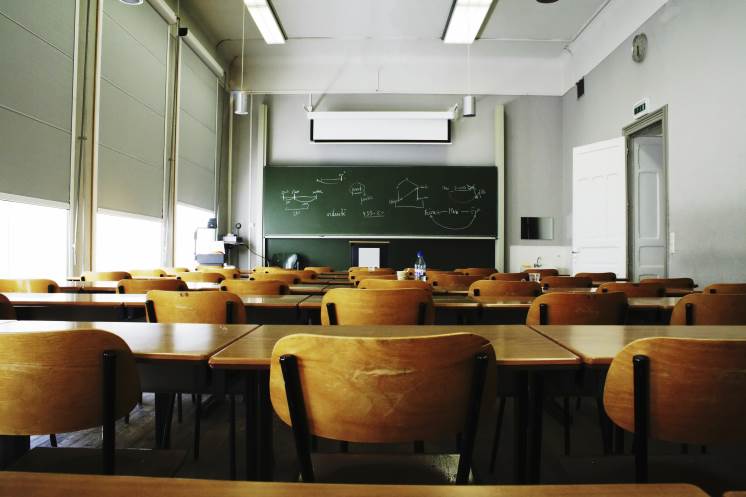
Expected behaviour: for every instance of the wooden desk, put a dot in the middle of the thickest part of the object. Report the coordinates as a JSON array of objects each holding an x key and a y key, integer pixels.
[
  {"x": 55, "y": 485},
  {"x": 319, "y": 288},
  {"x": 111, "y": 286}
]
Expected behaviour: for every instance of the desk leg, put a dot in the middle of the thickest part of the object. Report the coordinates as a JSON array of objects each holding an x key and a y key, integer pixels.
[
  {"x": 264, "y": 419},
  {"x": 164, "y": 407},
  {"x": 12, "y": 447},
  {"x": 232, "y": 436},
  {"x": 250, "y": 399},
  {"x": 520, "y": 414},
  {"x": 537, "y": 420}
]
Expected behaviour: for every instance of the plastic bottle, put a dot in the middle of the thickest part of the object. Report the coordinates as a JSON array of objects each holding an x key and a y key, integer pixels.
[{"x": 420, "y": 267}]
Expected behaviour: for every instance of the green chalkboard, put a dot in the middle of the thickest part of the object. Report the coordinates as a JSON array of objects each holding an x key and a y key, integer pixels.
[{"x": 446, "y": 201}]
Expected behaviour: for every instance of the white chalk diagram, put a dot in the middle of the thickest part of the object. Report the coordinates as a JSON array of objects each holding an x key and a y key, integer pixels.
[
  {"x": 358, "y": 190},
  {"x": 296, "y": 203},
  {"x": 409, "y": 195},
  {"x": 332, "y": 181},
  {"x": 458, "y": 219},
  {"x": 464, "y": 194}
]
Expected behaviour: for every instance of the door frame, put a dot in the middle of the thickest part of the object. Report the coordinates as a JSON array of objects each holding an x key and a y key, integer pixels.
[{"x": 658, "y": 116}]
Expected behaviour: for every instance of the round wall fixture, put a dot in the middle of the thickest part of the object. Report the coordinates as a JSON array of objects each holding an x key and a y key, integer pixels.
[
  {"x": 639, "y": 47},
  {"x": 132, "y": 2}
]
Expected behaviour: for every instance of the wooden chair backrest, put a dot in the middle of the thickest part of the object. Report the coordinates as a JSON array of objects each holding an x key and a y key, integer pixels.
[
  {"x": 285, "y": 277},
  {"x": 476, "y": 271},
  {"x": 105, "y": 276},
  {"x": 633, "y": 289},
  {"x": 364, "y": 268},
  {"x": 255, "y": 287},
  {"x": 359, "y": 274},
  {"x": 710, "y": 309},
  {"x": 266, "y": 269},
  {"x": 492, "y": 288},
  {"x": 390, "y": 284},
  {"x": 305, "y": 274},
  {"x": 369, "y": 277},
  {"x": 319, "y": 269},
  {"x": 598, "y": 276},
  {"x": 509, "y": 276},
  {"x": 360, "y": 307},
  {"x": 382, "y": 390},
  {"x": 228, "y": 273},
  {"x": 144, "y": 286},
  {"x": 36, "y": 285},
  {"x": 724, "y": 288},
  {"x": 670, "y": 282},
  {"x": 543, "y": 272},
  {"x": 195, "y": 307},
  {"x": 147, "y": 273},
  {"x": 52, "y": 382},
  {"x": 696, "y": 389},
  {"x": 566, "y": 282},
  {"x": 201, "y": 277},
  {"x": 7, "y": 311},
  {"x": 579, "y": 308},
  {"x": 174, "y": 271},
  {"x": 453, "y": 281}
]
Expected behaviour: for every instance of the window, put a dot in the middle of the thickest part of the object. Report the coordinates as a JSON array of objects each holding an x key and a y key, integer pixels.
[
  {"x": 33, "y": 241},
  {"x": 188, "y": 219},
  {"x": 125, "y": 241}
]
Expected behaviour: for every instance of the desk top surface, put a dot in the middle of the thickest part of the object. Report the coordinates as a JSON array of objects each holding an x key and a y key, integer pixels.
[
  {"x": 53, "y": 485},
  {"x": 82, "y": 299},
  {"x": 598, "y": 345},
  {"x": 155, "y": 341},
  {"x": 515, "y": 345}
]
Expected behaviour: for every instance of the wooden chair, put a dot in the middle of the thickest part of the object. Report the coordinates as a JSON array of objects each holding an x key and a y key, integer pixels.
[
  {"x": 255, "y": 287},
  {"x": 370, "y": 277},
  {"x": 710, "y": 309},
  {"x": 597, "y": 276},
  {"x": 7, "y": 311},
  {"x": 304, "y": 274},
  {"x": 687, "y": 283},
  {"x": 358, "y": 274},
  {"x": 578, "y": 308},
  {"x": 351, "y": 306},
  {"x": 285, "y": 277},
  {"x": 174, "y": 271},
  {"x": 29, "y": 286},
  {"x": 147, "y": 273},
  {"x": 105, "y": 276},
  {"x": 484, "y": 272},
  {"x": 509, "y": 276},
  {"x": 633, "y": 289},
  {"x": 227, "y": 273},
  {"x": 265, "y": 269},
  {"x": 552, "y": 282},
  {"x": 543, "y": 272},
  {"x": 679, "y": 390},
  {"x": 491, "y": 288},
  {"x": 319, "y": 269},
  {"x": 201, "y": 277},
  {"x": 144, "y": 286},
  {"x": 382, "y": 390},
  {"x": 391, "y": 284},
  {"x": 81, "y": 379},
  {"x": 452, "y": 281},
  {"x": 714, "y": 288}
]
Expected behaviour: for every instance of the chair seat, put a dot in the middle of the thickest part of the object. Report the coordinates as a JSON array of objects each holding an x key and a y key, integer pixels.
[
  {"x": 408, "y": 469},
  {"x": 130, "y": 462}
]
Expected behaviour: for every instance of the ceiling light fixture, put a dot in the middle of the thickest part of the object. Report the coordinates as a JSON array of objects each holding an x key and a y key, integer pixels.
[
  {"x": 240, "y": 97},
  {"x": 265, "y": 19},
  {"x": 466, "y": 20},
  {"x": 470, "y": 103},
  {"x": 132, "y": 2}
]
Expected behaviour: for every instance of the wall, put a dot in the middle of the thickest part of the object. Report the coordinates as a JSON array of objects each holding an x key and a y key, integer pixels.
[{"x": 695, "y": 65}]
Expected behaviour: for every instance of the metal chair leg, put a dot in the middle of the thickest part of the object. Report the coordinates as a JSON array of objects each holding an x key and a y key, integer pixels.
[
  {"x": 53, "y": 440},
  {"x": 498, "y": 428}
]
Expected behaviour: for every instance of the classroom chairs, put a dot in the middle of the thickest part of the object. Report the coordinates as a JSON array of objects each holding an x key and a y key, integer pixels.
[
  {"x": 105, "y": 276},
  {"x": 543, "y": 272},
  {"x": 509, "y": 276},
  {"x": 369, "y": 277},
  {"x": 678, "y": 390},
  {"x": 285, "y": 277},
  {"x": 255, "y": 287},
  {"x": 578, "y": 308},
  {"x": 174, "y": 271},
  {"x": 266, "y": 269},
  {"x": 144, "y": 286},
  {"x": 352, "y": 306},
  {"x": 552, "y": 282},
  {"x": 686, "y": 283},
  {"x": 392, "y": 284},
  {"x": 492, "y": 288},
  {"x": 29, "y": 286},
  {"x": 718, "y": 288},
  {"x": 147, "y": 273},
  {"x": 598, "y": 276},
  {"x": 319, "y": 269},
  {"x": 304, "y": 274},
  {"x": 81, "y": 379},
  {"x": 382, "y": 390},
  {"x": 484, "y": 272},
  {"x": 452, "y": 281},
  {"x": 227, "y": 273},
  {"x": 710, "y": 309},
  {"x": 200, "y": 277},
  {"x": 7, "y": 311},
  {"x": 358, "y": 274},
  {"x": 633, "y": 289}
]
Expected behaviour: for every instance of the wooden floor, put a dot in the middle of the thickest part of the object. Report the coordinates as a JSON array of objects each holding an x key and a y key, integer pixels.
[{"x": 720, "y": 469}]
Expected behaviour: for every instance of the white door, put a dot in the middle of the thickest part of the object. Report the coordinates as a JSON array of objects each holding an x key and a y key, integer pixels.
[
  {"x": 599, "y": 208},
  {"x": 648, "y": 217}
]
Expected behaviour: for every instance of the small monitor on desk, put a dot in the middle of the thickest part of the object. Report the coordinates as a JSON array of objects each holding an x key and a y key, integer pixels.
[{"x": 365, "y": 253}]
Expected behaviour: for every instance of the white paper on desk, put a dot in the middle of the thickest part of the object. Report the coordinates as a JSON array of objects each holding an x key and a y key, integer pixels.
[
  {"x": 369, "y": 257},
  {"x": 210, "y": 247}
]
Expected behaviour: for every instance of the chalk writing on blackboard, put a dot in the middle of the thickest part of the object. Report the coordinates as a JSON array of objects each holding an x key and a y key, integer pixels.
[
  {"x": 359, "y": 190},
  {"x": 373, "y": 213},
  {"x": 296, "y": 203},
  {"x": 409, "y": 195},
  {"x": 464, "y": 194},
  {"x": 337, "y": 213},
  {"x": 332, "y": 181},
  {"x": 453, "y": 219}
]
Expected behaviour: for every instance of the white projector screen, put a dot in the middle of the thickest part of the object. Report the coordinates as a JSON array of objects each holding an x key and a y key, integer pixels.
[{"x": 381, "y": 130}]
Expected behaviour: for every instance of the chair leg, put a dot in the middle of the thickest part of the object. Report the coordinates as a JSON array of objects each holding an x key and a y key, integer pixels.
[
  {"x": 197, "y": 416},
  {"x": 498, "y": 428},
  {"x": 179, "y": 409},
  {"x": 53, "y": 440},
  {"x": 127, "y": 419},
  {"x": 577, "y": 403},
  {"x": 566, "y": 423}
]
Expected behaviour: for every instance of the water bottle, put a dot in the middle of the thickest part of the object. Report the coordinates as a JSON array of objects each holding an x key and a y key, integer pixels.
[{"x": 420, "y": 268}]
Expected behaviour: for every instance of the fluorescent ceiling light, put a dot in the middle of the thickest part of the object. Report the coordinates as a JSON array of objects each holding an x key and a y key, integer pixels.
[
  {"x": 466, "y": 19},
  {"x": 264, "y": 18}
]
